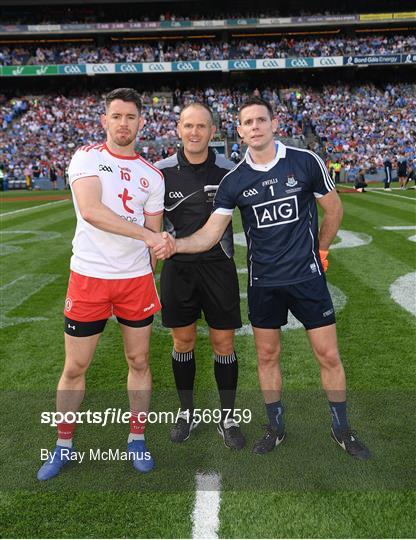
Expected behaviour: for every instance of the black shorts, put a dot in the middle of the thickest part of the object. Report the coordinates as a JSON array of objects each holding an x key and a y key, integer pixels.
[
  {"x": 91, "y": 328},
  {"x": 402, "y": 171},
  {"x": 309, "y": 301},
  {"x": 187, "y": 288}
]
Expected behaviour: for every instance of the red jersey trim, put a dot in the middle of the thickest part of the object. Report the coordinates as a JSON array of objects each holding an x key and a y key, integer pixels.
[
  {"x": 152, "y": 167},
  {"x": 93, "y": 147},
  {"x": 152, "y": 213},
  {"x": 136, "y": 156},
  {"x": 88, "y": 147}
]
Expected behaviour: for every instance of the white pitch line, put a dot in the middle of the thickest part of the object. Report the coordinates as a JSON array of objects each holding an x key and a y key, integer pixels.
[
  {"x": 30, "y": 208},
  {"x": 398, "y": 228},
  {"x": 205, "y": 517},
  {"x": 373, "y": 190},
  {"x": 403, "y": 292}
]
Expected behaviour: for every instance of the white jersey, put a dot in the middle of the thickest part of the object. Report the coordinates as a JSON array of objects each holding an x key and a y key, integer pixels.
[{"x": 132, "y": 188}]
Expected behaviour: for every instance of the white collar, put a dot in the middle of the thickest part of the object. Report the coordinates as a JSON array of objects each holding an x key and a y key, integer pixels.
[{"x": 280, "y": 153}]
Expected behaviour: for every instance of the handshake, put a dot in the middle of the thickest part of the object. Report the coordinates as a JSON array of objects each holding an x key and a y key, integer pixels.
[{"x": 162, "y": 244}]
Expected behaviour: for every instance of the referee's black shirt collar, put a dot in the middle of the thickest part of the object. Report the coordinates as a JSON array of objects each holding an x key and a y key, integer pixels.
[{"x": 183, "y": 161}]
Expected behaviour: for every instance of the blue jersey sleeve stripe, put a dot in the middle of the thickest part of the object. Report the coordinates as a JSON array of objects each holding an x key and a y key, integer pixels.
[{"x": 329, "y": 184}]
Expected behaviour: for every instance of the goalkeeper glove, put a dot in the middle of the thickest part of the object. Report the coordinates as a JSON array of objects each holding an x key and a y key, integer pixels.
[{"x": 323, "y": 254}]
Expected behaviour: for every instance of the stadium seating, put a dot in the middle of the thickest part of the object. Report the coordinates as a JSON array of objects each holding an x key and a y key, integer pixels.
[
  {"x": 360, "y": 125},
  {"x": 166, "y": 51}
]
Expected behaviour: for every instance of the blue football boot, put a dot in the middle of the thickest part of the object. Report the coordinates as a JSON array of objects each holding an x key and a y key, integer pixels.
[
  {"x": 142, "y": 460},
  {"x": 52, "y": 467}
]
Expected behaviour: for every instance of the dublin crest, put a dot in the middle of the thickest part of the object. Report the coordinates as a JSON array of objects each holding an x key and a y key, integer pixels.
[{"x": 291, "y": 181}]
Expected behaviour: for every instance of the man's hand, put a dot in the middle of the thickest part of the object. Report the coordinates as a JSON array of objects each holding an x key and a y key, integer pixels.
[
  {"x": 323, "y": 254},
  {"x": 152, "y": 238},
  {"x": 166, "y": 247}
]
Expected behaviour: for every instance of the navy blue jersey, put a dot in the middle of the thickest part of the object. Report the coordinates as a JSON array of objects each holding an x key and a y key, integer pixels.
[{"x": 279, "y": 214}]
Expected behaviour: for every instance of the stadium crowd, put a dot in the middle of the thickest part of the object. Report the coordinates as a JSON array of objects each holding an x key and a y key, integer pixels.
[
  {"x": 359, "y": 125},
  {"x": 166, "y": 51}
]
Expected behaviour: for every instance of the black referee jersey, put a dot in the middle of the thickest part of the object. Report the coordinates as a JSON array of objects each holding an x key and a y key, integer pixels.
[{"x": 189, "y": 196}]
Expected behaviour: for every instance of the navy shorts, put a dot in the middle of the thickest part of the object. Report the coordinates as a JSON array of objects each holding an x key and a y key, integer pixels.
[{"x": 309, "y": 301}]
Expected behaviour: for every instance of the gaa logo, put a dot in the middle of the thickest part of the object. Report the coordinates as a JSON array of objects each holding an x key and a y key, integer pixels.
[
  {"x": 250, "y": 192},
  {"x": 184, "y": 66},
  {"x": 100, "y": 68},
  {"x": 72, "y": 70},
  {"x": 68, "y": 304},
  {"x": 105, "y": 168},
  {"x": 327, "y": 61},
  {"x": 144, "y": 182},
  {"x": 213, "y": 65},
  {"x": 241, "y": 64},
  {"x": 156, "y": 67},
  {"x": 298, "y": 62},
  {"x": 128, "y": 68},
  {"x": 270, "y": 64}
]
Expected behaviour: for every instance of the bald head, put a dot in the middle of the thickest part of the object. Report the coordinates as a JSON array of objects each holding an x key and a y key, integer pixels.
[{"x": 195, "y": 106}]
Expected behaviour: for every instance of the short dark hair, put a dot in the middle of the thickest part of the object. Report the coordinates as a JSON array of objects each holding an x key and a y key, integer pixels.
[
  {"x": 256, "y": 101},
  {"x": 125, "y": 94},
  {"x": 202, "y": 105}
]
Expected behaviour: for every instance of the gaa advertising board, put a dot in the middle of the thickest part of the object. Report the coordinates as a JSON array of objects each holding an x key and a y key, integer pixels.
[{"x": 208, "y": 65}]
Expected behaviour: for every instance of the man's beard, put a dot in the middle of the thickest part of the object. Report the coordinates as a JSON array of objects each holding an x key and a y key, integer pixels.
[{"x": 123, "y": 141}]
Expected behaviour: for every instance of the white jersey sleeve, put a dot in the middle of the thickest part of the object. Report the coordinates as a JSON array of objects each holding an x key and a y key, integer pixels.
[
  {"x": 82, "y": 164},
  {"x": 155, "y": 203}
]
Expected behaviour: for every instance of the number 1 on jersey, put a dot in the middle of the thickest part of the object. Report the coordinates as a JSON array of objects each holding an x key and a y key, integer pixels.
[{"x": 272, "y": 190}]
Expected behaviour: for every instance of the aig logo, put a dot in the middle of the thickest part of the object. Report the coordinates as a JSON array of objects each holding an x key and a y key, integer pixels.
[
  {"x": 175, "y": 195},
  {"x": 250, "y": 192},
  {"x": 277, "y": 212}
]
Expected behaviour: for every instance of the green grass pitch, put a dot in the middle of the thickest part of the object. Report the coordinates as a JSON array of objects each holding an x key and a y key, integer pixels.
[{"x": 306, "y": 488}]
